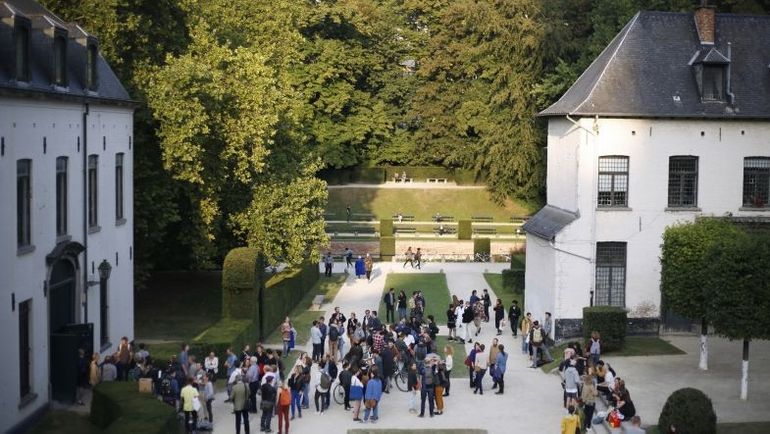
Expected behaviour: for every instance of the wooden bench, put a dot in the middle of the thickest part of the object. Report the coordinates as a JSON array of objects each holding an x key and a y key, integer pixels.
[
  {"x": 405, "y": 230},
  {"x": 363, "y": 230},
  {"x": 361, "y": 217},
  {"x": 484, "y": 231},
  {"x": 404, "y": 218},
  {"x": 445, "y": 231},
  {"x": 318, "y": 300},
  {"x": 400, "y": 179},
  {"x": 481, "y": 219},
  {"x": 437, "y": 180}
]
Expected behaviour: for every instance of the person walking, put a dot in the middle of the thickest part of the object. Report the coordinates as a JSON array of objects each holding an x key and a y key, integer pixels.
[
  {"x": 500, "y": 364},
  {"x": 359, "y": 267},
  {"x": 240, "y": 398},
  {"x": 588, "y": 396},
  {"x": 372, "y": 396},
  {"x": 514, "y": 313},
  {"x": 356, "y": 395},
  {"x": 188, "y": 395},
  {"x": 283, "y": 403},
  {"x": 401, "y": 305},
  {"x": 390, "y": 303},
  {"x": 418, "y": 259},
  {"x": 480, "y": 368},
  {"x": 487, "y": 304},
  {"x": 409, "y": 257},
  {"x": 570, "y": 424},
  {"x": 348, "y": 258},
  {"x": 368, "y": 266},
  {"x": 499, "y": 315}
]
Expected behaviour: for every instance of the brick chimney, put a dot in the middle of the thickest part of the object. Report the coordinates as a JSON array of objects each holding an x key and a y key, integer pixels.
[{"x": 705, "y": 22}]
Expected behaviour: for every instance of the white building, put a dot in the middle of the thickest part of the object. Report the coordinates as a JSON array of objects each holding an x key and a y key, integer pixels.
[
  {"x": 66, "y": 126},
  {"x": 669, "y": 123}
]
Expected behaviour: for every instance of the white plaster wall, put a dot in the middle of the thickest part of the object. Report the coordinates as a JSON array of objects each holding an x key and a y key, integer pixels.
[
  {"x": 23, "y": 125},
  {"x": 539, "y": 277},
  {"x": 563, "y": 163}
]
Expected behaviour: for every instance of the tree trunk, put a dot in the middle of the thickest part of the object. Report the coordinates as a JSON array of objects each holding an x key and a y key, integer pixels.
[
  {"x": 745, "y": 371},
  {"x": 704, "y": 351}
]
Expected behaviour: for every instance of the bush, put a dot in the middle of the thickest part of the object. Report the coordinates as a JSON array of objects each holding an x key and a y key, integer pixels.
[
  {"x": 386, "y": 227},
  {"x": 610, "y": 322},
  {"x": 118, "y": 407},
  {"x": 690, "y": 411},
  {"x": 464, "y": 230},
  {"x": 387, "y": 248},
  {"x": 467, "y": 177},
  {"x": 239, "y": 280},
  {"x": 513, "y": 280},
  {"x": 481, "y": 246}
]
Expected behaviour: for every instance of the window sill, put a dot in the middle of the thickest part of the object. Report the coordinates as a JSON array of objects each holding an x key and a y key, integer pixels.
[
  {"x": 613, "y": 208},
  {"x": 94, "y": 229},
  {"x": 746, "y": 208},
  {"x": 120, "y": 222},
  {"x": 105, "y": 347},
  {"x": 683, "y": 209},
  {"x": 27, "y": 400},
  {"x": 25, "y": 250},
  {"x": 63, "y": 238}
]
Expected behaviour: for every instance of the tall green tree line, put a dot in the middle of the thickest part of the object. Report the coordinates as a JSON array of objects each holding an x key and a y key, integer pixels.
[{"x": 243, "y": 101}]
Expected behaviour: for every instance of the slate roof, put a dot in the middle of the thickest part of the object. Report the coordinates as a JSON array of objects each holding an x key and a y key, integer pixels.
[
  {"x": 548, "y": 222},
  {"x": 42, "y": 21},
  {"x": 646, "y": 72}
]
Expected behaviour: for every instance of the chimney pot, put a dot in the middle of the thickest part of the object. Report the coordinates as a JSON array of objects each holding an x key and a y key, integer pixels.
[{"x": 705, "y": 23}]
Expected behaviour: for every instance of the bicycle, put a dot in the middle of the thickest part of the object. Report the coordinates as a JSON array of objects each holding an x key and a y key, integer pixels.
[
  {"x": 401, "y": 377},
  {"x": 481, "y": 257},
  {"x": 339, "y": 393}
]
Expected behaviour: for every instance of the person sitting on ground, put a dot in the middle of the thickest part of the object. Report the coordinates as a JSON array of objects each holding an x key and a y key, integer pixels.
[
  {"x": 605, "y": 379},
  {"x": 622, "y": 400}
]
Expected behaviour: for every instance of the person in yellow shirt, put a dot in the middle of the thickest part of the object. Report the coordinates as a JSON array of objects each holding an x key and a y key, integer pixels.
[
  {"x": 189, "y": 394},
  {"x": 571, "y": 422}
]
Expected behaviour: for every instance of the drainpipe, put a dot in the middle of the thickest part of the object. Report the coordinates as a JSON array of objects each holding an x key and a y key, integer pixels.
[{"x": 85, "y": 213}]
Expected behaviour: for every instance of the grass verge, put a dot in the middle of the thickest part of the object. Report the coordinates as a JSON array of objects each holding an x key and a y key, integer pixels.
[
  {"x": 634, "y": 346},
  {"x": 458, "y": 370},
  {"x": 65, "y": 422},
  {"x": 495, "y": 282},
  {"x": 301, "y": 317},
  {"x": 432, "y": 285}
]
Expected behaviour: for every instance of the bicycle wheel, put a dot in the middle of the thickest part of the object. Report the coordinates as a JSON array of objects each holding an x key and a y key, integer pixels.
[
  {"x": 402, "y": 379},
  {"x": 339, "y": 394}
]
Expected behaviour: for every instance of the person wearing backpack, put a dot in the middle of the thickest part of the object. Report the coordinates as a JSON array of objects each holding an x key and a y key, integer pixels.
[
  {"x": 283, "y": 403},
  {"x": 536, "y": 339},
  {"x": 428, "y": 390},
  {"x": 241, "y": 404},
  {"x": 322, "y": 388}
]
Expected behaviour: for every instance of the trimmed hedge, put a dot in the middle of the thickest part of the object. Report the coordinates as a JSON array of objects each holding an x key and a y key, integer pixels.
[
  {"x": 387, "y": 248},
  {"x": 226, "y": 333},
  {"x": 283, "y": 291},
  {"x": 513, "y": 280},
  {"x": 481, "y": 245},
  {"x": 690, "y": 411},
  {"x": 610, "y": 322},
  {"x": 386, "y": 227},
  {"x": 464, "y": 231},
  {"x": 239, "y": 281},
  {"x": 358, "y": 174},
  {"x": 118, "y": 407},
  {"x": 379, "y": 174}
]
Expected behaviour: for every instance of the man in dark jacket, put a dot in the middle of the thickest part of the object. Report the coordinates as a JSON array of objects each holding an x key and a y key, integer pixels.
[
  {"x": 514, "y": 313},
  {"x": 390, "y": 304},
  {"x": 267, "y": 406},
  {"x": 345, "y": 379},
  {"x": 387, "y": 365}
]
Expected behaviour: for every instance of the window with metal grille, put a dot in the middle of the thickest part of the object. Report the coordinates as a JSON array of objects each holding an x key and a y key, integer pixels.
[
  {"x": 613, "y": 182},
  {"x": 610, "y": 287},
  {"x": 61, "y": 196},
  {"x": 756, "y": 181},
  {"x": 682, "y": 182},
  {"x": 23, "y": 202},
  {"x": 93, "y": 191}
]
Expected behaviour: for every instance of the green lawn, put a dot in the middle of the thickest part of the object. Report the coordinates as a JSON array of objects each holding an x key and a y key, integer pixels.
[
  {"x": 458, "y": 370},
  {"x": 495, "y": 281},
  {"x": 178, "y": 305},
  {"x": 732, "y": 428},
  {"x": 634, "y": 346},
  {"x": 64, "y": 422},
  {"x": 423, "y": 203},
  {"x": 432, "y": 285},
  {"x": 301, "y": 317}
]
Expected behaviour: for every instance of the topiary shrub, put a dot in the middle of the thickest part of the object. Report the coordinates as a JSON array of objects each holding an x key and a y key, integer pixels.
[
  {"x": 239, "y": 280},
  {"x": 387, "y": 248},
  {"x": 481, "y": 246},
  {"x": 610, "y": 322},
  {"x": 690, "y": 411},
  {"x": 386, "y": 227},
  {"x": 464, "y": 230},
  {"x": 118, "y": 407},
  {"x": 513, "y": 280}
]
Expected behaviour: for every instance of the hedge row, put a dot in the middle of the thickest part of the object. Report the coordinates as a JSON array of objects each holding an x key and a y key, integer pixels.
[
  {"x": 387, "y": 248},
  {"x": 464, "y": 230},
  {"x": 481, "y": 246},
  {"x": 380, "y": 174},
  {"x": 118, "y": 408},
  {"x": 610, "y": 322},
  {"x": 513, "y": 280},
  {"x": 386, "y": 227}
]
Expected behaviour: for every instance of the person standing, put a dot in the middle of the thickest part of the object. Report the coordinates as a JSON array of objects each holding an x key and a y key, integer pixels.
[
  {"x": 296, "y": 384},
  {"x": 514, "y": 313},
  {"x": 286, "y": 335},
  {"x": 334, "y": 338},
  {"x": 536, "y": 339},
  {"x": 208, "y": 396},
  {"x": 82, "y": 375},
  {"x": 356, "y": 395},
  {"x": 412, "y": 386},
  {"x": 480, "y": 365},
  {"x": 588, "y": 396},
  {"x": 449, "y": 364},
  {"x": 409, "y": 257},
  {"x": 360, "y": 271},
  {"x": 184, "y": 360},
  {"x": 500, "y": 365},
  {"x": 418, "y": 259},
  {"x": 428, "y": 390},
  {"x": 188, "y": 395},
  {"x": 499, "y": 315},
  {"x": 267, "y": 405},
  {"x": 231, "y": 362},
  {"x": 283, "y": 402},
  {"x": 442, "y": 379},
  {"x": 526, "y": 325},
  {"x": 348, "y": 258},
  {"x": 347, "y": 211},
  {"x": 372, "y": 396},
  {"x": 450, "y": 322},
  {"x": 547, "y": 325},
  {"x": 94, "y": 371},
  {"x": 368, "y": 266},
  {"x": 211, "y": 364},
  {"x": 315, "y": 339},
  {"x": 328, "y": 264},
  {"x": 401, "y": 305},
  {"x": 123, "y": 359},
  {"x": 390, "y": 303},
  {"x": 240, "y": 399},
  {"x": 595, "y": 348},
  {"x": 487, "y": 304},
  {"x": 252, "y": 375}
]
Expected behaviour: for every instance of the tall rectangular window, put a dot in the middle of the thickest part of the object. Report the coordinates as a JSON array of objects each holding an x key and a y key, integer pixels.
[
  {"x": 93, "y": 191},
  {"x": 21, "y": 39},
  {"x": 613, "y": 182},
  {"x": 92, "y": 78},
  {"x": 610, "y": 287},
  {"x": 756, "y": 182},
  {"x": 682, "y": 182},
  {"x": 713, "y": 82},
  {"x": 60, "y": 61},
  {"x": 25, "y": 348},
  {"x": 119, "y": 186},
  {"x": 61, "y": 196},
  {"x": 104, "y": 319},
  {"x": 23, "y": 202}
]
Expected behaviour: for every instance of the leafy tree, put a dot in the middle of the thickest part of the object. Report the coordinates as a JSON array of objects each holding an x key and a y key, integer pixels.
[
  {"x": 739, "y": 291},
  {"x": 685, "y": 275}
]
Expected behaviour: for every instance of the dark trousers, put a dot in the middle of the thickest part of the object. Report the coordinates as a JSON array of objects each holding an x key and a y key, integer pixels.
[
  {"x": 479, "y": 378},
  {"x": 588, "y": 409},
  {"x": 190, "y": 421},
  {"x": 448, "y": 382},
  {"x": 267, "y": 416},
  {"x": 497, "y": 324},
  {"x": 501, "y": 383},
  {"x": 514, "y": 329},
  {"x": 324, "y": 400},
  {"x": 317, "y": 351},
  {"x": 368, "y": 274},
  {"x": 122, "y": 371},
  {"x": 328, "y": 270},
  {"x": 429, "y": 393},
  {"x": 390, "y": 313},
  {"x": 244, "y": 416},
  {"x": 470, "y": 377},
  {"x": 253, "y": 387},
  {"x": 347, "y": 397}
]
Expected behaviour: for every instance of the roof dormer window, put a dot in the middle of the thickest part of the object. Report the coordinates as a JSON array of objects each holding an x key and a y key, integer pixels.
[
  {"x": 21, "y": 42},
  {"x": 92, "y": 78},
  {"x": 60, "y": 61},
  {"x": 712, "y": 74},
  {"x": 713, "y": 87}
]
